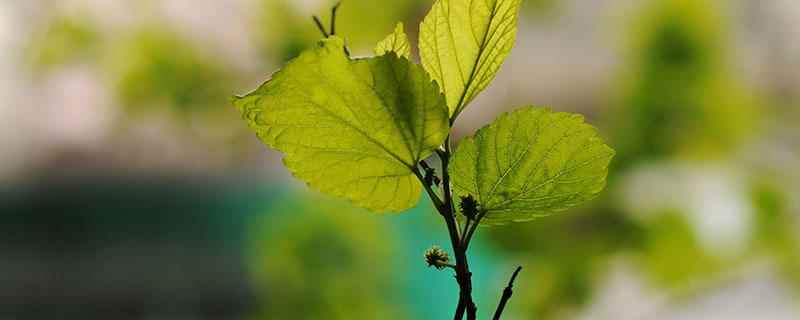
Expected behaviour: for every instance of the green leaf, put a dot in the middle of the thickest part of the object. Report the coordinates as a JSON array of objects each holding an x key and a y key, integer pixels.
[
  {"x": 530, "y": 163},
  {"x": 462, "y": 44},
  {"x": 396, "y": 42},
  {"x": 351, "y": 128}
]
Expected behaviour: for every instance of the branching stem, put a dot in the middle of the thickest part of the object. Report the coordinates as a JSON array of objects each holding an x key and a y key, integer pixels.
[
  {"x": 324, "y": 32},
  {"x": 445, "y": 205},
  {"x": 446, "y": 208},
  {"x": 470, "y": 229}
]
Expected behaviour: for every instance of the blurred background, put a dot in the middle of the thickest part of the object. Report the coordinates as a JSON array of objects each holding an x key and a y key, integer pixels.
[{"x": 131, "y": 189}]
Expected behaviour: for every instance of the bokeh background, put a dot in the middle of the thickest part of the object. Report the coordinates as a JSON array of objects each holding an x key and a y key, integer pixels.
[{"x": 131, "y": 189}]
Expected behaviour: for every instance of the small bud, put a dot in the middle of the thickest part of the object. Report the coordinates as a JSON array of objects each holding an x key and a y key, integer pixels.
[
  {"x": 469, "y": 207},
  {"x": 436, "y": 257}
]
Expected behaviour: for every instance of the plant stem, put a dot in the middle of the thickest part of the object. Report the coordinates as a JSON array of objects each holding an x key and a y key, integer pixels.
[
  {"x": 507, "y": 292},
  {"x": 333, "y": 18},
  {"x": 470, "y": 230},
  {"x": 446, "y": 208},
  {"x": 318, "y": 22},
  {"x": 463, "y": 275},
  {"x": 459, "y": 239},
  {"x": 325, "y": 33}
]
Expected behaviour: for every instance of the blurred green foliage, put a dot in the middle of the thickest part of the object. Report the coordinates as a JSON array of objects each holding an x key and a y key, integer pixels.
[
  {"x": 672, "y": 256},
  {"x": 321, "y": 259},
  {"x": 149, "y": 68},
  {"x": 285, "y": 31},
  {"x": 681, "y": 96},
  {"x": 65, "y": 39},
  {"x": 541, "y": 8},
  {"x": 774, "y": 232},
  {"x": 155, "y": 67},
  {"x": 564, "y": 255}
]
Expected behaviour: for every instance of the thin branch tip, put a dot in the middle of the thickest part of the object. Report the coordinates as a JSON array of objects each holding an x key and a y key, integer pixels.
[
  {"x": 333, "y": 17},
  {"x": 514, "y": 276},
  {"x": 321, "y": 28},
  {"x": 507, "y": 292}
]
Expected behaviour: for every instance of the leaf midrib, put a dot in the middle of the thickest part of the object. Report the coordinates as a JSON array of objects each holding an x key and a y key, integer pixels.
[{"x": 481, "y": 48}]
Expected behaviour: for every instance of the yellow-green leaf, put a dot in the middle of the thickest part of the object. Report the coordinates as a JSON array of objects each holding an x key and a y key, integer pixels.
[
  {"x": 351, "y": 128},
  {"x": 396, "y": 42},
  {"x": 462, "y": 44},
  {"x": 530, "y": 163}
]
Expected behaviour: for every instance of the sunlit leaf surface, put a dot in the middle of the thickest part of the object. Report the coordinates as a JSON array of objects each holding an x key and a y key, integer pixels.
[
  {"x": 396, "y": 42},
  {"x": 462, "y": 44},
  {"x": 351, "y": 128},
  {"x": 530, "y": 163}
]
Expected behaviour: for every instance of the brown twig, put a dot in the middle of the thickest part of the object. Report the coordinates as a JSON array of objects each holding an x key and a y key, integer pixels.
[
  {"x": 445, "y": 206},
  {"x": 446, "y": 209},
  {"x": 333, "y": 17},
  {"x": 324, "y": 32},
  {"x": 321, "y": 28},
  {"x": 471, "y": 230},
  {"x": 463, "y": 275},
  {"x": 507, "y": 292}
]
